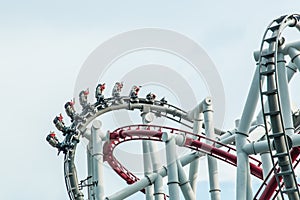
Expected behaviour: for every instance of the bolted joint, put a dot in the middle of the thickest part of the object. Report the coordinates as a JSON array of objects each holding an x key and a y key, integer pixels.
[
  {"x": 207, "y": 105},
  {"x": 207, "y": 101},
  {"x": 166, "y": 136},
  {"x": 147, "y": 117},
  {"x": 294, "y": 53},
  {"x": 97, "y": 124},
  {"x": 180, "y": 139}
]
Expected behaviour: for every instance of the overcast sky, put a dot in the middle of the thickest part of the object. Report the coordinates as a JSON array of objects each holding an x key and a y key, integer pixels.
[{"x": 43, "y": 45}]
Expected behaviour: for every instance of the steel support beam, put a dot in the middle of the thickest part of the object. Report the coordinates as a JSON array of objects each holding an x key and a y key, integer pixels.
[
  {"x": 185, "y": 186},
  {"x": 150, "y": 160},
  {"x": 243, "y": 191},
  {"x": 173, "y": 182},
  {"x": 97, "y": 154},
  {"x": 194, "y": 166},
  {"x": 215, "y": 191},
  {"x": 91, "y": 194},
  {"x": 156, "y": 164},
  {"x": 147, "y": 168},
  {"x": 262, "y": 146},
  {"x": 284, "y": 95}
]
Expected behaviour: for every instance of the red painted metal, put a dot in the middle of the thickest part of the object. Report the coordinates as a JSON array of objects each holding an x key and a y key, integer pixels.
[{"x": 154, "y": 133}]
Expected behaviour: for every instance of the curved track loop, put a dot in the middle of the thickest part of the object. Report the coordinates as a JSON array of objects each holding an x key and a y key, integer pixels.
[
  {"x": 154, "y": 133},
  {"x": 70, "y": 174},
  {"x": 268, "y": 63},
  {"x": 157, "y": 107},
  {"x": 160, "y": 109}
]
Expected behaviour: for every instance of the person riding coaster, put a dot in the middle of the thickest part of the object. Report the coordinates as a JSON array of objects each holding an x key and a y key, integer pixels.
[
  {"x": 116, "y": 93},
  {"x": 100, "y": 96},
  {"x": 83, "y": 100},
  {"x": 134, "y": 94}
]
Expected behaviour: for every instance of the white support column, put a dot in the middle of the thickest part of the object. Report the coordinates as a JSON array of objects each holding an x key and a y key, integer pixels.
[
  {"x": 194, "y": 166},
  {"x": 91, "y": 193},
  {"x": 156, "y": 164},
  {"x": 243, "y": 169},
  {"x": 284, "y": 95},
  {"x": 159, "y": 188},
  {"x": 89, "y": 150},
  {"x": 186, "y": 188},
  {"x": 151, "y": 163},
  {"x": 215, "y": 192},
  {"x": 283, "y": 79},
  {"x": 147, "y": 169},
  {"x": 197, "y": 116},
  {"x": 173, "y": 182},
  {"x": 243, "y": 191},
  {"x": 97, "y": 155},
  {"x": 193, "y": 174}
]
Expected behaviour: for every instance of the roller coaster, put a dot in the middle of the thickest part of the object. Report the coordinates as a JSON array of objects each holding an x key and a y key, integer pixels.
[{"x": 276, "y": 124}]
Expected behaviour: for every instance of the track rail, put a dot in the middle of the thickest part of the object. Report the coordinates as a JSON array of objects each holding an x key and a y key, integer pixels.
[
  {"x": 70, "y": 174},
  {"x": 268, "y": 61},
  {"x": 154, "y": 133},
  {"x": 268, "y": 189},
  {"x": 158, "y": 108}
]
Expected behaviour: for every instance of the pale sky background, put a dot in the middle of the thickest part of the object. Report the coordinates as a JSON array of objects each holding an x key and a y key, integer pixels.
[{"x": 43, "y": 45}]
